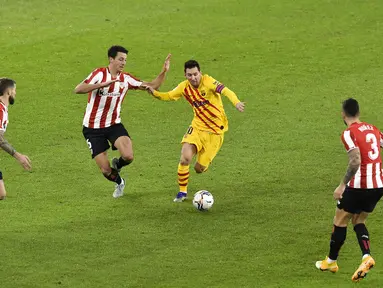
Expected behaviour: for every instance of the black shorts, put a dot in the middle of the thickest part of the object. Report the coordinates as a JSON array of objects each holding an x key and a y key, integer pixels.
[
  {"x": 360, "y": 200},
  {"x": 98, "y": 139}
]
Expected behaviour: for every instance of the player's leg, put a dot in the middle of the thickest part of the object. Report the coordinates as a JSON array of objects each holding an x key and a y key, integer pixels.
[
  {"x": 338, "y": 236},
  {"x": 359, "y": 222},
  {"x": 3, "y": 193},
  {"x": 103, "y": 163},
  {"x": 98, "y": 144},
  {"x": 110, "y": 173},
  {"x": 191, "y": 144},
  {"x": 121, "y": 141},
  {"x": 212, "y": 143},
  {"x": 370, "y": 198},
  {"x": 187, "y": 153},
  {"x": 124, "y": 145},
  {"x": 346, "y": 207}
]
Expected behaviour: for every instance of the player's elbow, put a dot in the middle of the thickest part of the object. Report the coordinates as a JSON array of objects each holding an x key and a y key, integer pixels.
[
  {"x": 79, "y": 89},
  {"x": 76, "y": 90}
]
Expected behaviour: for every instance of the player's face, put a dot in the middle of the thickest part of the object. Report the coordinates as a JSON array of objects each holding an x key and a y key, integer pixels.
[
  {"x": 119, "y": 62},
  {"x": 194, "y": 76},
  {"x": 12, "y": 95}
]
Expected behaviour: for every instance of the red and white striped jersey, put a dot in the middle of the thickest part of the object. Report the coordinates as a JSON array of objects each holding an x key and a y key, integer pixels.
[
  {"x": 368, "y": 139},
  {"x": 104, "y": 104},
  {"x": 3, "y": 117}
]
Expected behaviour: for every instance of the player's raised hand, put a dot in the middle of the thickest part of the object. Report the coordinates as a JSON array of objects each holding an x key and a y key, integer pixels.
[
  {"x": 167, "y": 62},
  {"x": 24, "y": 161},
  {"x": 240, "y": 106}
]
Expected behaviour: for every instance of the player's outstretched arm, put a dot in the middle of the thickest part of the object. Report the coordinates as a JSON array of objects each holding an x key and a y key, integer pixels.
[
  {"x": 156, "y": 83},
  {"x": 352, "y": 168},
  {"x": 240, "y": 106},
  {"x": 84, "y": 88},
  {"x": 23, "y": 159},
  {"x": 174, "y": 95}
]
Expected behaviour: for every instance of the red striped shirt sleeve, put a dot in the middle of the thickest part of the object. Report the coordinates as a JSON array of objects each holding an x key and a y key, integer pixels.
[
  {"x": 133, "y": 82},
  {"x": 348, "y": 140},
  {"x": 94, "y": 77}
]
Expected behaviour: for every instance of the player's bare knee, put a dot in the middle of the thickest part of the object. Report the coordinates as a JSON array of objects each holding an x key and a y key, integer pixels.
[{"x": 128, "y": 157}]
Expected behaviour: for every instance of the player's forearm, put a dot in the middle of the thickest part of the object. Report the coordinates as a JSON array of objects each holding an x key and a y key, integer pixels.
[
  {"x": 165, "y": 96},
  {"x": 353, "y": 165},
  {"x": 231, "y": 95},
  {"x": 84, "y": 88},
  {"x": 352, "y": 169},
  {"x": 156, "y": 83},
  {"x": 6, "y": 146}
]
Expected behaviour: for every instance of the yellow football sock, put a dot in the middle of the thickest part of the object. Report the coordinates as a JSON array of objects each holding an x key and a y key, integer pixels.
[{"x": 183, "y": 177}]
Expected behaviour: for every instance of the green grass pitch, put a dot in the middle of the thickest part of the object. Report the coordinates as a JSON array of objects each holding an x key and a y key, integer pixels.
[{"x": 292, "y": 62}]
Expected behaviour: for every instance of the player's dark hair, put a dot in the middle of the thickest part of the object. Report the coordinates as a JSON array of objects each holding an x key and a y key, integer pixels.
[
  {"x": 191, "y": 64},
  {"x": 6, "y": 83},
  {"x": 112, "y": 52},
  {"x": 350, "y": 107}
]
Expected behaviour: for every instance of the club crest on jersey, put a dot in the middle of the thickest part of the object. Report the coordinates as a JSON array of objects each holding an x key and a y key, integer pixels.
[{"x": 203, "y": 93}]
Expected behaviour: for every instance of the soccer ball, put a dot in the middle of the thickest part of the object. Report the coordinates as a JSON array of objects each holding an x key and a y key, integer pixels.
[{"x": 203, "y": 200}]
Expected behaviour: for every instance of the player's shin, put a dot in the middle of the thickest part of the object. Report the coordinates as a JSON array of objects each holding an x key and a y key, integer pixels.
[
  {"x": 183, "y": 177},
  {"x": 338, "y": 237},
  {"x": 113, "y": 176},
  {"x": 363, "y": 238}
]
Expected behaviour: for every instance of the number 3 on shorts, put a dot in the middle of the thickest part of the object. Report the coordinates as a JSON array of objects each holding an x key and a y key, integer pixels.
[{"x": 89, "y": 145}]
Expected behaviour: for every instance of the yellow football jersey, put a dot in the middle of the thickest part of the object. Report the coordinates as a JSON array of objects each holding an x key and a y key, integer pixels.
[{"x": 206, "y": 101}]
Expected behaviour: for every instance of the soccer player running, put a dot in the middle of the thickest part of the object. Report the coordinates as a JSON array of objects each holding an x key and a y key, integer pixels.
[
  {"x": 7, "y": 97},
  {"x": 359, "y": 191},
  {"x": 106, "y": 88},
  {"x": 204, "y": 137}
]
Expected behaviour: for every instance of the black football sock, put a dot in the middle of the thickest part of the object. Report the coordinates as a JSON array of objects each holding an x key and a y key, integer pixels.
[
  {"x": 337, "y": 239},
  {"x": 122, "y": 162},
  {"x": 363, "y": 238},
  {"x": 114, "y": 176}
]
